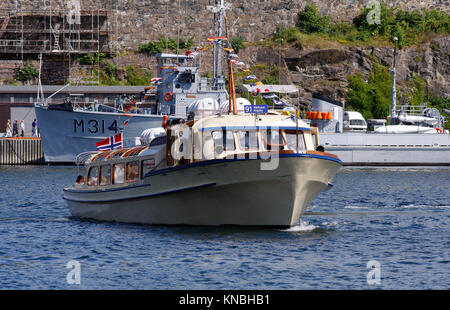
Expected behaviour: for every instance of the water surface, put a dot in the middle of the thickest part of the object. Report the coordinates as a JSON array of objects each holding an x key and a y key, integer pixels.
[{"x": 398, "y": 217}]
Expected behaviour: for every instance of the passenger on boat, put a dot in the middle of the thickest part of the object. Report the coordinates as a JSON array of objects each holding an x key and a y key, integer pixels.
[
  {"x": 80, "y": 180},
  {"x": 132, "y": 171},
  {"x": 320, "y": 148},
  {"x": 119, "y": 175}
]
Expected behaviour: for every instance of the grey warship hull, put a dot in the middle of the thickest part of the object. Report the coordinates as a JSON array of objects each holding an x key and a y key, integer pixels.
[{"x": 65, "y": 134}]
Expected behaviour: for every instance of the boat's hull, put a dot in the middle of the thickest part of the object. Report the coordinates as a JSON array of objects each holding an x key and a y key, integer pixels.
[
  {"x": 372, "y": 149},
  {"x": 234, "y": 192},
  {"x": 66, "y": 134}
]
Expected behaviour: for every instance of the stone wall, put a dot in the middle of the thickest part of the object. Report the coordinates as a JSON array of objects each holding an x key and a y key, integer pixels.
[{"x": 137, "y": 21}]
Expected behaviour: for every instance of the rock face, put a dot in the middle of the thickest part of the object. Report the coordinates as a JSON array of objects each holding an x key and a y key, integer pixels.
[
  {"x": 326, "y": 70},
  {"x": 135, "y": 22}
]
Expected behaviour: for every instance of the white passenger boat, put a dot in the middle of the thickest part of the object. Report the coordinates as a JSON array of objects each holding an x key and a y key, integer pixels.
[{"x": 251, "y": 169}]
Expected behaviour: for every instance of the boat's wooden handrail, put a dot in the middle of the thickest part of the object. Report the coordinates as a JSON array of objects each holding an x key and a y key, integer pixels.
[{"x": 322, "y": 154}]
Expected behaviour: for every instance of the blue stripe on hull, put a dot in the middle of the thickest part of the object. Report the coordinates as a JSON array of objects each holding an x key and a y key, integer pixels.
[{"x": 216, "y": 161}]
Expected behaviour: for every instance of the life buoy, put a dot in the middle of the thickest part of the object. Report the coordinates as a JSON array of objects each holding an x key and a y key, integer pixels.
[
  {"x": 164, "y": 124},
  {"x": 168, "y": 96},
  {"x": 439, "y": 130}
]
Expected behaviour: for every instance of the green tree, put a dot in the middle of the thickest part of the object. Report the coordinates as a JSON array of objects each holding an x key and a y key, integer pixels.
[
  {"x": 137, "y": 76},
  {"x": 155, "y": 47},
  {"x": 372, "y": 98},
  {"x": 237, "y": 44},
  {"x": 91, "y": 59},
  {"x": 310, "y": 21},
  {"x": 26, "y": 73}
]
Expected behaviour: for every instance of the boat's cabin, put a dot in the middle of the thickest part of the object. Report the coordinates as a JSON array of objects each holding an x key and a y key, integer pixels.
[
  {"x": 212, "y": 138},
  {"x": 120, "y": 167},
  {"x": 238, "y": 136}
]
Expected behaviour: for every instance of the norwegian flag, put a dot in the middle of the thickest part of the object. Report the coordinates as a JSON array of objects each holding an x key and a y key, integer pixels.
[{"x": 111, "y": 143}]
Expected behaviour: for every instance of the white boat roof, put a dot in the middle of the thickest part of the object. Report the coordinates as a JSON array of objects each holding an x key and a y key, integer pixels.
[
  {"x": 249, "y": 122},
  {"x": 282, "y": 89},
  {"x": 167, "y": 55},
  {"x": 96, "y": 156}
]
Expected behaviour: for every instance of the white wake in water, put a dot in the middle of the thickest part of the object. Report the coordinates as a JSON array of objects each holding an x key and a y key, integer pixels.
[{"x": 301, "y": 227}]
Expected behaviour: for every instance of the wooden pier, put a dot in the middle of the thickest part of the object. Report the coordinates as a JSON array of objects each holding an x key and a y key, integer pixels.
[{"x": 21, "y": 151}]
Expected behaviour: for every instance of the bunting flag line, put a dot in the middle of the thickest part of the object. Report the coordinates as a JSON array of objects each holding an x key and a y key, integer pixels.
[
  {"x": 156, "y": 80},
  {"x": 222, "y": 43},
  {"x": 278, "y": 102},
  {"x": 271, "y": 96},
  {"x": 237, "y": 63},
  {"x": 250, "y": 77},
  {"x": 167, "y": 67}
]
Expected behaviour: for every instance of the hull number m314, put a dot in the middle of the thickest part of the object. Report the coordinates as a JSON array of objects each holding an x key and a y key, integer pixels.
[{"x": 93, "y": 126}]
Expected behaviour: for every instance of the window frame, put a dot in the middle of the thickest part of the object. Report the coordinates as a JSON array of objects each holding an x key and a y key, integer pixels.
[
  {"x": 301, "y": 139},
  {"x": 127, "y": 172},
  {"x": 224, "y": 141},
  {"x": 243, "y": 147},
  {"x": 114, "y": 182},
  {"x": 265, "y": 139},
  {"x": 142, "y": 167},
  {"x": 101, "y": 175},
  {"x": 89, "y": 182}
]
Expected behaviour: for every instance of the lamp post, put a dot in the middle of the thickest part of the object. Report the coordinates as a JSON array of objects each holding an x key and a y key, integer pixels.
[{"x": 394, "y": 90}]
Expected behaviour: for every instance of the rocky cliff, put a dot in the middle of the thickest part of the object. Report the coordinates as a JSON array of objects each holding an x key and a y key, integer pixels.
[
  {"x": 313, "y": 69},
  {"x": 137, "y": 21}
]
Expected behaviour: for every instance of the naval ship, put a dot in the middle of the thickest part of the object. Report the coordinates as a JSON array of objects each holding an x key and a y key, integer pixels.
[
  {"x": 70, "y": 128},
  {"x": 415, "y": 136},
  {"x": 418, "y": 137}
]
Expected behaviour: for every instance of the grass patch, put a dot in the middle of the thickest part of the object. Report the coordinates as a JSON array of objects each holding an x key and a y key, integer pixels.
[{"x": 411, "y": 28}]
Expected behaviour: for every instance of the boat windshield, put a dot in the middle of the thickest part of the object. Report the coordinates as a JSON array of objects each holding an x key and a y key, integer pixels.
[{"x": 357, "y": 122}]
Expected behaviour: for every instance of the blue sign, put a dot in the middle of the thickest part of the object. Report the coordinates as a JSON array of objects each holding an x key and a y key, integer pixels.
[{"x": 256, "y": 109}]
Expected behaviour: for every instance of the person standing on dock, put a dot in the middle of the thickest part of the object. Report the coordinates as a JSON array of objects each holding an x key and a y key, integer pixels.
[
  {"x": 15, "y": 130},
  {"x": 8, "y": 129},
  {"x": 22, "y": 128},
  {"x": 34, "y": 129}
]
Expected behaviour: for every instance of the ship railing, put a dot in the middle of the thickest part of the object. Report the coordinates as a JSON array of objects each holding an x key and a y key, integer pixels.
[
  {"x": 83, "y": 157},
  {"x": 412, "y": 110}
]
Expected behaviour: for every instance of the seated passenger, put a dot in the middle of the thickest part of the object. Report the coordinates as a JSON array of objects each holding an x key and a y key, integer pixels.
[
  {"x": 80, "y": 179},
  {"x": 133, "y": 172},
  {"x": 118, "y": 174}
]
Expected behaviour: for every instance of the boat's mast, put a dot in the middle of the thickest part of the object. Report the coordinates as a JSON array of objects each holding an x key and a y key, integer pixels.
[
  {"x": 232, "y": 97},
  {"x": 40, "y": 92},
  {"x": 221, "y": 14},
  {"x": 394, "y": 78}
]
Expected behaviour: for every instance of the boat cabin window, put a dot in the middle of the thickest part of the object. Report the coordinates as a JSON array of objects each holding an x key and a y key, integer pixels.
[
  {"x": 119, "y": 173},
  {"x": 223, "y": 141},
  {"x": 132, "y": 171},
  {"x": 105, "y": 175},
  {"x": 147, "y": 166},
  {"x": 291, "y": 139},
  {"x": 273, "y": 140},
  {"x": 248, "y": 140},
  {"x": 93, "y": 176}
]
